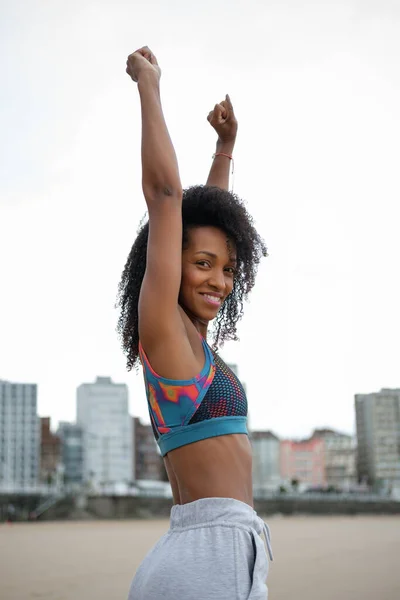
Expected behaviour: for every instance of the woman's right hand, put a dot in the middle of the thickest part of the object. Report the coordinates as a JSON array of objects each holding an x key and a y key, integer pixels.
[{"x": 140, "y": 62}]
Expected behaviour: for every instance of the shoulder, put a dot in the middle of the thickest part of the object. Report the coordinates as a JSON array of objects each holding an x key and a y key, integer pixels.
[{"x": 176, "y": 351}]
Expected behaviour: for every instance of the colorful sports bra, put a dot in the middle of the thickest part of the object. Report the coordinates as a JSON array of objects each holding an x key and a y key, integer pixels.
[{"x": 185, "y": 411}]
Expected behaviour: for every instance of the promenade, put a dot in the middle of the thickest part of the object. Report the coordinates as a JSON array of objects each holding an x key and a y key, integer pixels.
[{"x": 316, "y": 558}]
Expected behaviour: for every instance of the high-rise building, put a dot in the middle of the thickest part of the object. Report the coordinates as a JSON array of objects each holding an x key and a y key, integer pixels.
[
  {"x": 340, "y": 458},
  {"x": 71, "y": 437},
  {"x": 266, "y": 461},
  {"x": 304, "y": 461},
  {"x": 50, "y": 452},
  {"x": 103, "y": 414},
  {"x": 233, "y": 367},
  {"x": 148, "y": 464},
  {"x": 378, "y": 437},
  {"x": 19, "y": 435}
]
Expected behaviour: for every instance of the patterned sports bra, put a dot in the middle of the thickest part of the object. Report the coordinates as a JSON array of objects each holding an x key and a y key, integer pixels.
[{"x": 185, "y": 411}]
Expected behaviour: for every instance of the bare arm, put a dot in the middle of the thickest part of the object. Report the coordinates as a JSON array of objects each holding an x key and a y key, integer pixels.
[
  {"x": 158, "y": 303},
  {"x": 160, "y": 173},
  {"x": 221, "y": 166},
  {"x": 223, "y": 120}
]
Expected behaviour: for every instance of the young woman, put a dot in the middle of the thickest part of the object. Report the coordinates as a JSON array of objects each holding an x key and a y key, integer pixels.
[{"x": 193, "y": 262}]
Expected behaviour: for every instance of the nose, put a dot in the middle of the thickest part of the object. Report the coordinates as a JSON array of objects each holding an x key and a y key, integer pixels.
[{"x": 217, "y": 280}]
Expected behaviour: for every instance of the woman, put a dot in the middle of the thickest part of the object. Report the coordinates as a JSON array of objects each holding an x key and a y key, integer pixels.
[{"x": 193, "y": 262}]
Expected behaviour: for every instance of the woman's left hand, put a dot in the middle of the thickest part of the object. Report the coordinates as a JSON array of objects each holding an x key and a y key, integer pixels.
[{"x": 223, "y": 119}]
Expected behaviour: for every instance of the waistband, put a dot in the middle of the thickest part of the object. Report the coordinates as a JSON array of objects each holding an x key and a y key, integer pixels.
[{"x": 219, "y": 510}]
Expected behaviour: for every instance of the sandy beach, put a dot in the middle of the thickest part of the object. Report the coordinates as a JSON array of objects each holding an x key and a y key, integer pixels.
[{"x": 316, "y": 558}]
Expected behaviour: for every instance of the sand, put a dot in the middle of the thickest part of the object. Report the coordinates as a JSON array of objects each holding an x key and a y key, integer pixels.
[{"x": 324, "y": 558}]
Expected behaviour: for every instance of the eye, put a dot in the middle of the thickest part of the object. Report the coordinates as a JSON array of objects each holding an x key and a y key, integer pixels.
[
  {"x": 203, "y": 263},
  {"x": 230, "y": 270}
]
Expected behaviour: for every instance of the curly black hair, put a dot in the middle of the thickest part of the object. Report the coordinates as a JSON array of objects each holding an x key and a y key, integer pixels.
[{"x": 201, "y": 206}]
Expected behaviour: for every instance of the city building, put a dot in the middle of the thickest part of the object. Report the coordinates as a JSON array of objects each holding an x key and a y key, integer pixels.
[
  {"x": 50, "y": 452},
  {"x": 103, "y": 414},
  {"x": 19, "y": 435},
  {"x": 266, "y": 461},
  {"x": 303, "y": 462},
  {"x": 340, "y": 458},
  {"x": 148, "y": 463},
  {"x": 233, "y": 367},
  {"x": 71, "y": 437},
  {"x": 378, "y": 438}
]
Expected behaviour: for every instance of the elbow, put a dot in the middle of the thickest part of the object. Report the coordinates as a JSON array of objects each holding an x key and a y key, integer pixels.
[{"x": 161, "y": 190}]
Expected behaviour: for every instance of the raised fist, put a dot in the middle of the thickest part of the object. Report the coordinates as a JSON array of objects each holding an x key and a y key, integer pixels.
[
  {"x": 142, "y": 61},
  {"x": 223, "y": 119}
]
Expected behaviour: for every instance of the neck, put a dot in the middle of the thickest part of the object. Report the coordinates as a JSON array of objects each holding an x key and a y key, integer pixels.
[{"x": 199, "y": 324}]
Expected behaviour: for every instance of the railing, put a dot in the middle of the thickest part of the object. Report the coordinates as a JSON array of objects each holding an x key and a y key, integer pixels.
[
  {"x": 45, "y": 506},
  {"x": 32, "y": 490},
  {"x": 164, "y": 490},
  {"x": 323, "y": 496}
]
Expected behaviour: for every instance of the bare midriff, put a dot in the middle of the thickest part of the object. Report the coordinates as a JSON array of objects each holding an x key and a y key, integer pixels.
[{"x": 218, "y": 467}]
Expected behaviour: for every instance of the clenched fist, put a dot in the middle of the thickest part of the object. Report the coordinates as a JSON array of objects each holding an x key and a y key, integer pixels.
[
  {"x": 140, "y": 62},
  {"x": 223, "y": 119}
]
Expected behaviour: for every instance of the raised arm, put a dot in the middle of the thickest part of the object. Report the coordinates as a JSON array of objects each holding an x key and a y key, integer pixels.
[
  {"x": 223, "y": 120},
  {"x": 158, "y": 303},
  {"x": 160, "y": 173}
]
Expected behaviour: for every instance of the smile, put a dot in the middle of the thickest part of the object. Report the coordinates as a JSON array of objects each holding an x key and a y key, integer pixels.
[{"x": 214, "y": 300}]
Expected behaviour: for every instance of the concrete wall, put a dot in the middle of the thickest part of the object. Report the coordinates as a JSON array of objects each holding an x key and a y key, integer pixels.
[
  {"x": 131, "y": 507},
  {"x": 120, "y": 507},
  {"x": 128, "y": 507},
  {"x": 325, "y": 506}
]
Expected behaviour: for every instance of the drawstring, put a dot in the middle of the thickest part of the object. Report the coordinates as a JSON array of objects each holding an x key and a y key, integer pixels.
[{"x": 267, "y": 536}]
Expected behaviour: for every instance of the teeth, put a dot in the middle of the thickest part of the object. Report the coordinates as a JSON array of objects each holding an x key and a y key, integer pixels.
[{"x": 213, "y": 298}]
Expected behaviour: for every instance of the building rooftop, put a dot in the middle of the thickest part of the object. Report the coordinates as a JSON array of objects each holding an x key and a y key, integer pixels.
[{"x": 263, "y": 435}]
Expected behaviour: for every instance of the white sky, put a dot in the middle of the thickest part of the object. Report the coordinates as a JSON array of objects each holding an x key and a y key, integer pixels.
[{"x": 316, "y": 88}]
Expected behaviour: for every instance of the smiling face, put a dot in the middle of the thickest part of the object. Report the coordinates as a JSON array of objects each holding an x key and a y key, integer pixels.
[{"x": 208, "y": 269}]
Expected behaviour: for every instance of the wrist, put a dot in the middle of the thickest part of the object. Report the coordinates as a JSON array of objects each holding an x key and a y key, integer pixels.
[
  {"x": 225, "y": 146},
  {"x": 148, "y": 79}
]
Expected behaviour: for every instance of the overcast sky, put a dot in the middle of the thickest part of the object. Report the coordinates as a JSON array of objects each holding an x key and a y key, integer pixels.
[{"x": 316, "y": 88}]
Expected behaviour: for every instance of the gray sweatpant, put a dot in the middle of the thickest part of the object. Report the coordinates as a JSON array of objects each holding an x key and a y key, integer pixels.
[{"x": 212, "y": 551}]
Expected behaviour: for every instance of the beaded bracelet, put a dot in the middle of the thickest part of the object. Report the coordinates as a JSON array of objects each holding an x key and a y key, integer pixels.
[{"x": 233, "y": 163}]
